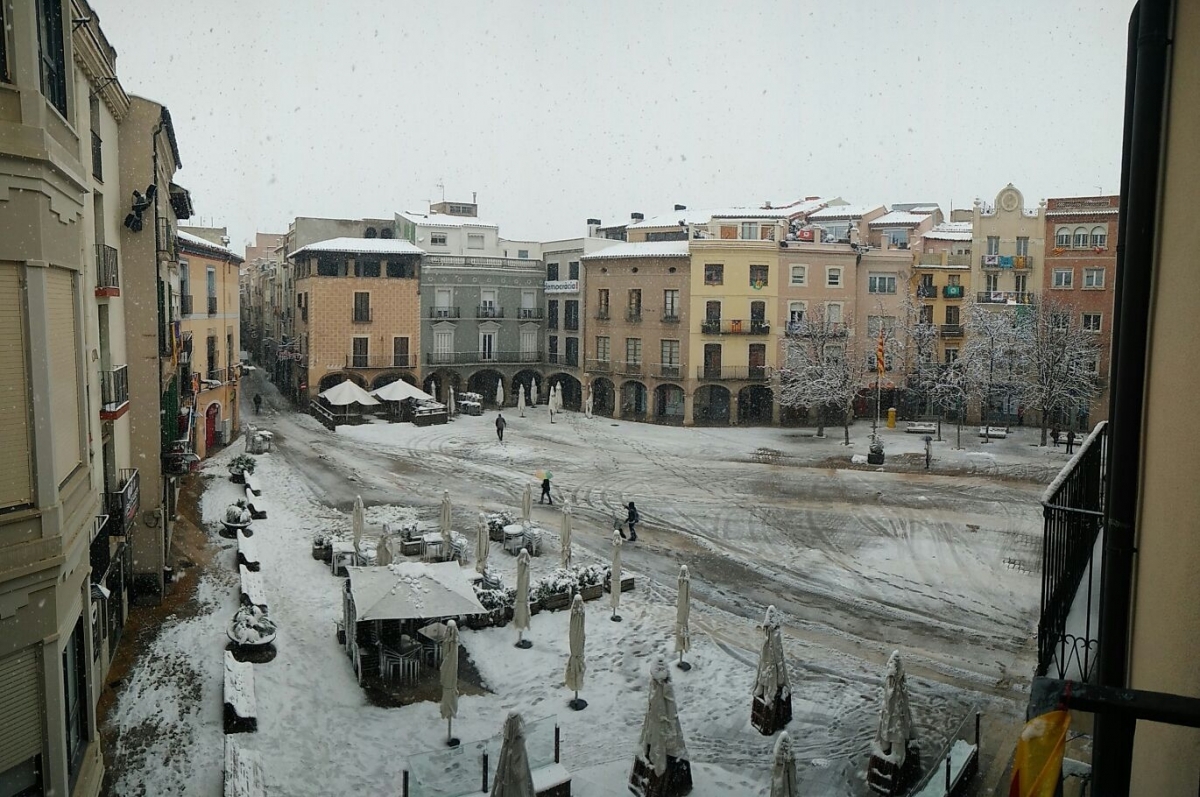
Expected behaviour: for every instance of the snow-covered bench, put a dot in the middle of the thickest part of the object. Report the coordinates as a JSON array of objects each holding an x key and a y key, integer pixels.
[
  {"x": 241, "y": 707},
  {"x": 994, "y": 432},
  {"x": 252, "y": 483},
  {"x": 916, "y": 427},
  {"x": 253, "y": 592},
  {"x": 247, "y": 552},
  {"x": 243, "y": 771},
  {"x": 256, "y": 504}
]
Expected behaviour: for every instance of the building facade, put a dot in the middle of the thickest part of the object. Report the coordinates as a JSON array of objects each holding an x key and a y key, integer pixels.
[
  {"x": 1008, "y": 247},
  {"x": 260, "y": 295},
  {"x": 941, "y": 283}
]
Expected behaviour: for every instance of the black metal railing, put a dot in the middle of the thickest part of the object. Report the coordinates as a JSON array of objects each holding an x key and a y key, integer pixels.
[
  {"x": 554, "y": 358},
  {"x": 602, "y": 314},
  {"x": 381, "y": 361},
  {"x": 212, "y": 305},
  {"x": 114, "y": 389},
  {"x": 97, "y": 157},
  {"x": 669, "y": 317},
  {"x": 108, "y": 275},
  {"x": 475, "y": 357},
  {"x": 668, "y": 371},
  {"x": 185, "y": 303},
  {"x": 735, "y": 326},
  {"x": 799, "y": 329},
  {"x": 952, "y": 291},
  {"x": 952, "y": 330},
  {"x": 362, "y": 315},
  {"x": 489, "y": 311},
  {"x": 598, "y": 366},
  {"x": 443, "y": 312},
  {"x": 627, "y": 368},
  {"x": 926, "y": 291},
  {"x": 732, "y": 373},
  {"x": 122, "y": 505},
  {"x": 633, "y": 314},
  {"x": 1073, "y": 515},
  {"x": 216, "y": 375},
  {"x": 530, "y": 313},
  {"x": 1005, "y": 297}
]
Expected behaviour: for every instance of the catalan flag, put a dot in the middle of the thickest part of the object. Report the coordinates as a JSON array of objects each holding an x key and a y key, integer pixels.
[
  {"x": 879, "y": 353},
  {"x": 1037, "y": 762}
]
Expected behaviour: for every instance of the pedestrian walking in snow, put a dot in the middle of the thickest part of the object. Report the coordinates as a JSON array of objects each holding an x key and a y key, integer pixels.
[
  {"x": 257, "y": 403},
  {"x": 546, "y": 492},
  {"x": 1070, "y": 441},
  {"x": 500, "y": 424},
  {"x": 633, "y": 518},
  {"x": 1054, "y": 436}
]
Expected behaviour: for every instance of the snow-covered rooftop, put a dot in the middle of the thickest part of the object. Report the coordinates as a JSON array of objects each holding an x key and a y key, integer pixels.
[
  {"x": 844, "y": 212},
  {"x": 641, "y": 249},
  {"x": 1083, "y": 211},
  {"x": 444, "y": 220},
  {"x": 702, "y": 215},
  {"x": 202, "y": 243},
  {"x": 899, "y": 218},
  {"x": 950, "y": 231},
  {"x": 374, "y": 246}
]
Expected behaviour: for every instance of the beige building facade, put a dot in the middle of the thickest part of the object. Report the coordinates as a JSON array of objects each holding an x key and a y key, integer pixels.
[{"x": 1008, "y": 249}]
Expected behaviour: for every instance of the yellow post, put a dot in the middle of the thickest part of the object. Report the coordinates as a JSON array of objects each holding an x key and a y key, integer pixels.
[{"x": 891, "y": 417}]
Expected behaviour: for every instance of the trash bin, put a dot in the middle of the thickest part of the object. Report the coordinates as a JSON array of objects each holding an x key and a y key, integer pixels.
[{"x": 891, "y": 417}]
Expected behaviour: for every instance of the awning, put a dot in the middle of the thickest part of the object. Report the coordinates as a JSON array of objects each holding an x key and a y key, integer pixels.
[
  {"x": 399, "y": 391},
  {"x": 348, "y": 393}
]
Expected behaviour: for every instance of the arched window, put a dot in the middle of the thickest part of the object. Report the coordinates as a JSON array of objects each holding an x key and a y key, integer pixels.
[
  {"x": 1062, "y": 237},
  {"x": 1081, "y": 238},
  {"x": 386, "y": 232},
  {"x": 1100, "y": 236},
  {"x": 370, "y": 233}
]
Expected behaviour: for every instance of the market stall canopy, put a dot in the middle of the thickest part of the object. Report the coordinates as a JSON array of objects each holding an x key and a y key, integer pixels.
[
  {"x": 348, "y": 393},
  {"x": 412, "y": 591},
  {"x": 401, "y": 390}
]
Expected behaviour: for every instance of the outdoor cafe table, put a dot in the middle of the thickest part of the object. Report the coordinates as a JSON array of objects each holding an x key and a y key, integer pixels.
[{"x": 433, "y": 544}]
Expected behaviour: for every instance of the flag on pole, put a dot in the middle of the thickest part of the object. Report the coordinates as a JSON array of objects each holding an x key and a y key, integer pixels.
[
  {"x": 1037, "y": 762},
  {"x": 879, "y": 352}
]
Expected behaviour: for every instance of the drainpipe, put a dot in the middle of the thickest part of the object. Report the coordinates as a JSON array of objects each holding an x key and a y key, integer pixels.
[{"x": 1137, "y": 225}]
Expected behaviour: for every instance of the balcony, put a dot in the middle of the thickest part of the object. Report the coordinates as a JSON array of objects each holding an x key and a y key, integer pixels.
[
  {"x": 602, "y": 314},
  {"x": 185, "y": 304},
  {"x": 1006, "y": 262},
  {"x": 952, "y": 330},
  {"x": 114, "y": 392},
  {"x": 633, "y": 314},
  {"x": 1072, "y": 556},
  {"x": 218, "y": 375},
  {"x": 108, "y": 276},
  {"x": 732, "y": 373},
  {"x": 530, "y": 313},
  {"x": 381, "y": 361},
  {"x": 942, "y": 259},
  {"x": 735, "y": 326},
  {"x": 212, "y": 305},
  {"x": 443, "y": 312},
  {"x": 361, "y": 315},
  {"x": 667, "y": 371},
  {"x": 952, "y": 291},
  {"x": 670, "y": 317},
  {"x": 164, "y": 238},
  {"x": 475, "y": 357},
  {"x": 489, "y": 311},
  {"x": 800, "y": 329},
  {"x": 1005, "y": 297},
  {"x": 626, "y": 368},
  {"x": 598, "y": 367},
  {"x": 926, "y": 292},
  {"x": 99, "y": 552},
  {"x": 97, "y": 157},
  {"x": 122, "y": 505},
  {"x": 185, "y": 349}
]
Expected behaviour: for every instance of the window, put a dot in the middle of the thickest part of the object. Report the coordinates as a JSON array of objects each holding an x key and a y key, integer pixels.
[
  {"x": 75, "y": 697},
  {"x": 443, "y": 345},
  {"x": 602, "y": 302},
  {"x": 835, "y": 353},
  {"x": 529, "y": 341},
  {"x": 712, "y": 311},
  {"x": 1080, "y": 239},
  {"x": 528, "y": 300},
  {"x": 881, "y": 283},
  {"x": 573, "y": 270},
  {"x": 573, "y": 352},
  {"x": 359, "y": 350},
  {"x": 1063, "y": 277},
  {"x": 926, "y": 314},
  {"x": 52, "y": 53},
  {"x": 552, "y": 314},
  {"x": 833, "y": 313},
  {"x": 670, "y": 354},
  {"x": 1091, "y": 322},
  {"x": 633, "y": 350},
  {"x": 951, "y": 355},
  {"x": 552, "y": 271},
  {"x": 993, "y": 244},
  {"x": 833, "y": 276},
  {"x": 522, "y": 254},
  {"x": 474, "y": 241},
  {"x": 670, "y": 304},
  {"x": 211, "y": 278},
  {"x": 602, "y": 348},
  {"x": 571, "y": 315},
  {"x": 714, "y": 274},
  {"x": 758, "y": 276},
  {"x": 749, "y": 231},
  {"x": 1093, "y": 278},
  {"x": 952, "y": 314},
  {"x": 400, "y": 352},
  {"x": 1062, "y": 237},
  {"x": 1022, "y": 245},
  {"x": 362, "y": 307},
  {"x": 1060, "y": 322},
  {"x": 635, "y": 301},
  {"x": 799, "y": 274},
  {"x": 796, "y": 311},
  {"x": 487, "y": 346},
  {"x": 888, "y": 322},
  {"x": 954, "y": 279},
  {"x": 367, "y": 268},
  {"x": 437, "y": 239},
  {"x": 1099, "y": 237},
  {"x": 898, "y": 238},
  {"x": 991, "y": 283}
]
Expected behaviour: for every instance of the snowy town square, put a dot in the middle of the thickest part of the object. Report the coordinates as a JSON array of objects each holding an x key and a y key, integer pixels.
[{"x": 351, "y": 547}]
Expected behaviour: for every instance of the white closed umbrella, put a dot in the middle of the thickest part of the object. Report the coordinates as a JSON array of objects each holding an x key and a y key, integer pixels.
[
  {"x": 576, "y": 667},
  {"x": 514, "y": 778},
  {"x": 527, "y": 502},
  {"x": 587, "y": 405},
  {"x": 521, "y": 400},
  {"x": 521, "y": 602},
  {"x": 450, "y": 408},
  {"x": 534, "y": 394},
  {"x": 783, "y": 769},
  {"x": 357, "y": 521},
  {"x": 499, "y": 392},
  {"x": 483, "y": 544},
  {"x": 895, "y": 729},
  {"x": 444, "y": 523},
  {"x": 771, "y": 681},
  {"x": 615, "y": 579},
  {"x": 449, "y": 679},
  {"x": 662, "y": 735},
  {"x": 383, "y": 551},
  {"x": 433, "y": 388},
  {"x": 558, "y": 397},
  {"x": 683, "y": 609},
  {"x": 566, "y": 536}
]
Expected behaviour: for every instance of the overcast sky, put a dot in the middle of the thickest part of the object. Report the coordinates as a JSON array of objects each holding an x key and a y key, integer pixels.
[{"x": 557, "y": 111}]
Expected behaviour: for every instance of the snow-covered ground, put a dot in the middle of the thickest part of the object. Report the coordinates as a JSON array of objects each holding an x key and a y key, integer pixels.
[{"x": 941, "y": 566}]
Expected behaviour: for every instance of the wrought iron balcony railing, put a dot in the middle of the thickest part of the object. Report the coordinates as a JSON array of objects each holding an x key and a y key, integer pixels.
[
  {"x": 475, "y": 357},
  {"x": 489, "y": 311},
  {"x": 670, "y": 317},
  {"x": 735, "y": 326},
  {"x": 108, "y": 275},
  {"x": 952, "y": 291},
  {"x": 530, "y": 313},
  {"x": 732, "y": 373},
  {"x": 444, "y": 312},
  {"x": 952, "y": 330},
  {"x": 633, "y": 314},
  {"x": 114, "y": 392},
  {"x": 122, "y": 505},
  {"x": 602, "y": 314},
  {"x": 381, "y": 361},
  {"x": 667, "y": 371},
  {"x": 627, "y": 368},
  {"x": 598, "y": 366},
  {"x": 1005, "y": 297}
]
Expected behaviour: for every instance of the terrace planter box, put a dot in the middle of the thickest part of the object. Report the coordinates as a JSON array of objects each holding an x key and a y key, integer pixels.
[
  {"x": 535, "y": 607},
  {"x": 411, "y": 547},
  {"x": 322, "y": 552},
  {"x": 626, "y": 584},
  {"x": 592, "y": 592},
  {"x": 555, "y": 602}
]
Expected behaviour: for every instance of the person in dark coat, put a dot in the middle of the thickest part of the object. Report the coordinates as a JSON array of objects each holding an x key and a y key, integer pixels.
[
  {"x": 257, "y": 403},
  {"x": 1054, "y": 436},
  {"x": 546, "y": 492},
  {"x": 633, "y": 518},
  {"x": 1070, "y": 440},
  {"x": 500, "y": 424}
]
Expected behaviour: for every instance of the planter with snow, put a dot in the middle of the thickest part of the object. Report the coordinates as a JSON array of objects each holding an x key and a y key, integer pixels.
[
  {"x": 592, "y": 592},
  {"x": 237, "y": 518},
  {"x": 252, "y": 635}
]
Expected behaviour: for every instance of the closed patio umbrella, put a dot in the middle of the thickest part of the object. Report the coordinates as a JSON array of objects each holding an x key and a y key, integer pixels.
[
  {"x": 783, "y": 770},
  {"x": 661, "y": 746},
  {"x": 433, "y": 388},
  {"x": 895, "y": 730},
  {"x": 772, "y": 670},
  {"x": 444, "y": 523},
  {"x": 527, "y": 502},
  {"x": 513, "y": 775},
  {"x": 499, "y": 392},
  {"x": 483, "y": 544},
  {"x": 451, "y": 406},
  {"x": 449, "y": 679},
  {"x": 357, "y": 521},
  {"x": 566, "y": 536},
  {"x": 521, "y": 601},
  {"x": 576, "y": 667},
  {"x": 615, "y": 579},
  {"x": 683, "y": 609},
  {"x": 534, "y": 394},
  {"x": 521, "y": 400}
]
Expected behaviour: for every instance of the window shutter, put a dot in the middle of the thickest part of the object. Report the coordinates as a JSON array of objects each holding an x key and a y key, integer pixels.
[
  {"x": 20, "y": 709},
  {"x": 16, "y": 484},
  {"x": 64, "y": 393}
]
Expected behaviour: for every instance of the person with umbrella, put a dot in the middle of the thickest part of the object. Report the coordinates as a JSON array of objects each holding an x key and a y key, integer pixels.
[{"x": 546, "y": 489}]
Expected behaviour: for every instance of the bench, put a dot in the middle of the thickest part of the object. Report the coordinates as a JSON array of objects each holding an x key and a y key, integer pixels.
[
  {"x": 252, "y": 484},
  {"x": 993, "y": 432},
  {"x": 253, "y": 593},
  {"x": 256, "y": 504},
  {"x": 921, "y": 427},
  {"x": 241, "y": 708},
  {"x": 243, "y": 771},
  {"x": 247, "y": 551}
]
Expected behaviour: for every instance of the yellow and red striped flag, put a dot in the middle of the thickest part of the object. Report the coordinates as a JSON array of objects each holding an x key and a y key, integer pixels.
[
  {"x": 879, "y": 352},
  {"x": 1037, "y": 762}
]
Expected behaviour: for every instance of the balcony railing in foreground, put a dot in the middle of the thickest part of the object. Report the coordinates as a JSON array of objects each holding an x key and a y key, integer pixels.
[{"x": 1072, "y": 558}]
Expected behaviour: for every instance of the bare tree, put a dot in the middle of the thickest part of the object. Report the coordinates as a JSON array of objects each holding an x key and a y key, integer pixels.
[
  {"x": 1059, "y": 359},
  {"x": 994, "y": 353},
  {"x": 819, "y": 370},
  {"x": 917, "y": 338},
  {"x": 953, "y": 389}
]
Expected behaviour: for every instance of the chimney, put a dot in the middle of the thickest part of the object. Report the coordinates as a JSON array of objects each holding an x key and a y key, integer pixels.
[
  {"x": 593, "y": 228},
  {"x": 681, "y": 207},
  {"x": 637, "y": 216},
  {"x": 474, "y": 194}
]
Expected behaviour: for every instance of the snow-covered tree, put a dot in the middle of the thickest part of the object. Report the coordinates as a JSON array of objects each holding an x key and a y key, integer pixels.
[
  {"x": 952, "y": 390},
  {"x": 995, "y": 352},
  {"x": 820, "y": 371},
  {"x": 1060, "y": 359},
  {"x": 917, "y": 338}
]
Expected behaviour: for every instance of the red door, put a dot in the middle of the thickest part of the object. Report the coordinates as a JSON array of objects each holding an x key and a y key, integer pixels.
[{"x": 210, "y": 425}]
